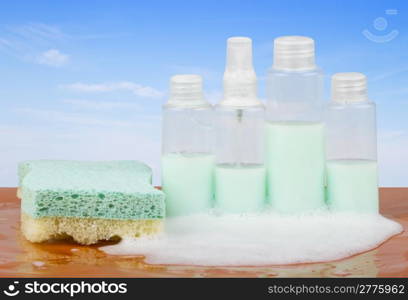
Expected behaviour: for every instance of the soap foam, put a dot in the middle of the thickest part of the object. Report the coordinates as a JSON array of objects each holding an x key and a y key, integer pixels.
[
  {"x": 38, "y": 264},
  {"x": 260, "y": 239}
]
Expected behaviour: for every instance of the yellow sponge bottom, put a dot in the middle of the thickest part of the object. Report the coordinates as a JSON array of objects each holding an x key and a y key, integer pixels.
[{"x": 85, "y": 231}]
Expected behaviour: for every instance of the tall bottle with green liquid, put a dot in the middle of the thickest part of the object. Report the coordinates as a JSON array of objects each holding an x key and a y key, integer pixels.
[
  {"x": 240, "y": 170},
  {"x": 295, "y": 157},
  {"x": 351, "y": 146},
  {"x": 187, "y": 148}
]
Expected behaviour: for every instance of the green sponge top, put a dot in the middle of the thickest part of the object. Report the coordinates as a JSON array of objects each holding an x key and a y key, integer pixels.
[{"x": 111, "y": 189}]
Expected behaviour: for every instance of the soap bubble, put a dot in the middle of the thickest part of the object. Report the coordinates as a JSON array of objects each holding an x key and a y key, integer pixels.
[{"x": 259, "y": 239}]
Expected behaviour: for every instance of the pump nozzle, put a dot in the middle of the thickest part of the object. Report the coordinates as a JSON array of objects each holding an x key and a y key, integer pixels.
[
  {"x": 186, "y": 90},
  {"x": 239, "y": 76},
  {"x": 239, "y": 55},
  {"x": 349, "y": 87}
]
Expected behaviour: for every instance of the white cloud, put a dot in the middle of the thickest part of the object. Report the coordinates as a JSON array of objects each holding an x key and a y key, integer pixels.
[
  {"x": 34, "y": 42},
  {"x": 29, "y": 42},
  {"x": 135, "y": 88},
  {"x": 101, "y": 105},
  {"x": 38, "y": 32},
  {"x": 53, "y": 57},
  {"x": 56, "y": 116}
]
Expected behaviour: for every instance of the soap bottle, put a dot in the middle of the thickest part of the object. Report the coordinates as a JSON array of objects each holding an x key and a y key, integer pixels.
[
  {"x": 240, "y": 170},
  {"x": 187, "y": 148},
  {"x": 295, "y": 132},
  {"x": 351, "y": 146}
]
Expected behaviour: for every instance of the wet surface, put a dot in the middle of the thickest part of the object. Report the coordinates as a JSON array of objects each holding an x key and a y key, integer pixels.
[{"x": 20, "y": 258}]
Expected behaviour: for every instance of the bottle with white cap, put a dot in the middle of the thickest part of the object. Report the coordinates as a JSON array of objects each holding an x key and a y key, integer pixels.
[
  {"x": 294, "y": 131},
  {"x": 187, "y": 148},
  {"x": 351, "y": 146},
  {"x": 240, "y": 170}
]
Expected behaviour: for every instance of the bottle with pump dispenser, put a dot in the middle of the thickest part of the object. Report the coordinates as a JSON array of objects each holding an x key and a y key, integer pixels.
[
  {"x": 351, "y": 146},
  {"x": 187, "y": 148},
  {"x": 294, "y": 132},
  {"x": 240, "y": 171}
]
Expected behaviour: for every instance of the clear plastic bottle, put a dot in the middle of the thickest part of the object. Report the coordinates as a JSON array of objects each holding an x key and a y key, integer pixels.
[
  {"x": 187, "y": 148},
  {"x": 351, "y": 146},
  {"x": 294, "y": 131},
  {"x": 240, "y": 170}
]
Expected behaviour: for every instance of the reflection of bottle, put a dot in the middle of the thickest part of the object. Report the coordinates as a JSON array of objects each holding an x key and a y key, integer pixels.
[
  {"x": 295, "y": 133},
  {"x": 240, "y": 171},
  {"x": 351, "y": 146},
  {"x": 187, "y": 160}
]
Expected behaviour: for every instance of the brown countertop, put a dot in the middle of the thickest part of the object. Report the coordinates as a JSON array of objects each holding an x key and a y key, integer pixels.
[{"x": 20, "y": 258}]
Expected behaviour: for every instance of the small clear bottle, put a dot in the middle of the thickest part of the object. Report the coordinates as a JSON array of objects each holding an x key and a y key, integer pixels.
[
  {"x": 294, "y": 131},
  {"x": 351, "y": 146},
  {"x": 240, "y": 170},
  {"x": 187, "y": 148}
]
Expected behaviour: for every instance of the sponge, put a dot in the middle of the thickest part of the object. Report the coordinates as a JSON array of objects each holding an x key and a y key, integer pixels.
[
  {"x": 88, "y": 201},
  {"x": 85, "y": 231}
]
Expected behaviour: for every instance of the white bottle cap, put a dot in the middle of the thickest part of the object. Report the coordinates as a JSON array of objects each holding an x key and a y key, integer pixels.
[
  {"x": 240, "y": 85},
  {"x": 294, "y": 53},
  {"x": 186, "y": 91},
  {"x": 349, "y": 87}
]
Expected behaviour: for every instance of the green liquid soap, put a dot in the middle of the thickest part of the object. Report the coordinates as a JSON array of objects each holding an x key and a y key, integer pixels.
[
  {"x": 352, "y": 185},
  {"x": 295, "y": 166},
  {"x": 187, "y": 181},
  {"x": 239, "y": 188}
]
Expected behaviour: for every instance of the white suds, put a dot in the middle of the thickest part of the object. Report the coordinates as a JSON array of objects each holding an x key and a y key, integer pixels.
[
  {"x": 38, "y": 264},
  {"x": 263, "y": 239}
]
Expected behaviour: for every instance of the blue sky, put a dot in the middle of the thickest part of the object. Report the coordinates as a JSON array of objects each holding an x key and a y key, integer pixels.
[{"x": 86, "y": 79}]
